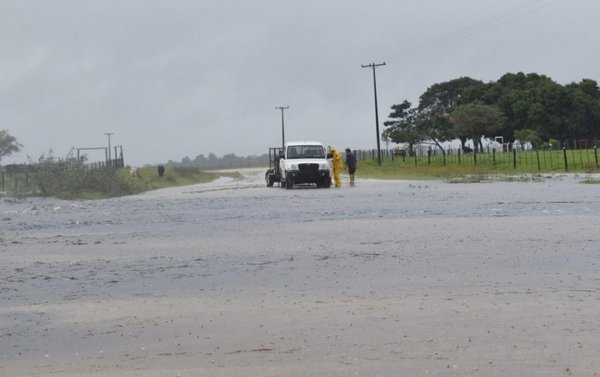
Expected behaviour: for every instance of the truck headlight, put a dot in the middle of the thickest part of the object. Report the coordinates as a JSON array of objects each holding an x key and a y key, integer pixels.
[
  {"x": 292, "y": 167},
  {"x": 324, "y": 166}
]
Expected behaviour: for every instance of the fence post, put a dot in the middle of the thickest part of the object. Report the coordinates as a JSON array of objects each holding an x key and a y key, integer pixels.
[
  {"x": 565, "y": 157},
  {"x": 459, "y": 150},
  {"x": 494, "y": 156},
  {"x": 537, "y": 154},
  {"x": 514, "y": 158},
  {"x": 4, "y": 188},
  {"x": 595, "y": 156}
]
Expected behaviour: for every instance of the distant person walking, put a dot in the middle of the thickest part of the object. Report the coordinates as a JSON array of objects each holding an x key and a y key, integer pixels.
[{"x": 351, "y": 164}]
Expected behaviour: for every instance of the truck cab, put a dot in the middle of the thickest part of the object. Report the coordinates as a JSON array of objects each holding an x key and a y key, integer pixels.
[{"x": 304, "y": 162}]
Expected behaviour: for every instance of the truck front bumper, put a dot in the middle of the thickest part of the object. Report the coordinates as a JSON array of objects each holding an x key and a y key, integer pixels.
[{"x": 315, "y": 176}]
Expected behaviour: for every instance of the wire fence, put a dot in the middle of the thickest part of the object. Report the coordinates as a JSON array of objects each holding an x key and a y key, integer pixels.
[
  {"x": 525, "y": 160},
  {"x": 14, "y": 177},
  {"x": 24, "y": 177}
]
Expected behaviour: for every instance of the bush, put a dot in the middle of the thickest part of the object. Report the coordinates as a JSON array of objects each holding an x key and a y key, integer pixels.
[{"x": 71, "y": 178}]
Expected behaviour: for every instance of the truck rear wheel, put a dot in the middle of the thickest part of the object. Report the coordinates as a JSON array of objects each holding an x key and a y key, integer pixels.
[{"x": 289, "y": 184}]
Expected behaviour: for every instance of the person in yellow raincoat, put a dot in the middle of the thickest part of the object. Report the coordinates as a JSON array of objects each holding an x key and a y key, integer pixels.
[{"x": 338, "y": 165}]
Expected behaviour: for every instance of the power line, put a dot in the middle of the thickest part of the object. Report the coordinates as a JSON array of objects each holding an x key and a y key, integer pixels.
[{"x": 522, "y": 9}]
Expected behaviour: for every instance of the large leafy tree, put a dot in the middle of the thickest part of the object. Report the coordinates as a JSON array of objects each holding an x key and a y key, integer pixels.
[
  {"x": 435, "y": 127},
  {"x": 529, "y": 101},
  {"x": 476, "y": 120},
  {"x": 8, "y": 144},
  {"x": 583, "y": 117},
  {"x": 438, "y": 101},
  {"x": 403, "y": 125},
  {"x": 442, "y": 97}
]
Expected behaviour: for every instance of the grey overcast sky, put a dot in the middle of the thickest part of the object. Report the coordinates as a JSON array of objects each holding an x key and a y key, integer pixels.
[{"x": 180, "y": 78}]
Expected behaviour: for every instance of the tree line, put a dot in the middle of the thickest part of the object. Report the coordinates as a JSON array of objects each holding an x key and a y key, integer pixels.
[
  {"x": 229, "y": 160},
  {"x": 530, "y": 108}
]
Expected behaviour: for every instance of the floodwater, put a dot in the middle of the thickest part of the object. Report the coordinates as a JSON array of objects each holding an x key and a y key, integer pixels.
[
  {"x": 233, "y": 278},
  {"x": 228, "y": 202}
]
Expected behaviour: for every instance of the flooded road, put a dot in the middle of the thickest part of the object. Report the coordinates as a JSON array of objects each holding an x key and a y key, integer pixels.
[
  {"x": 229, "y": 202},
  {"x": 233, "y": 278}
]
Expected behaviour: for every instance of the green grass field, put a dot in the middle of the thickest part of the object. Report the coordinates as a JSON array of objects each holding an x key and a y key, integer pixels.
[{"x": 453, "y": 167}]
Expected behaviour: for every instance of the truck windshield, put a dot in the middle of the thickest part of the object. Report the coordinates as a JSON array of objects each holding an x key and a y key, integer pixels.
[{"x": 305, "y": 151}]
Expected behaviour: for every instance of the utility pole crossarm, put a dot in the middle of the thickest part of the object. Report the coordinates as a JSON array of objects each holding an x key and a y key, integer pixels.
[{"x": 372, "y": 65}]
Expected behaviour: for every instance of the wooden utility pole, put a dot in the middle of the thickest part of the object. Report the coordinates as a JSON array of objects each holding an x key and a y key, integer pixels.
[
  {"x": 282, "y": 124},
  {"x": 109, "y": 156},
  {"x": 373, "y": 65}
]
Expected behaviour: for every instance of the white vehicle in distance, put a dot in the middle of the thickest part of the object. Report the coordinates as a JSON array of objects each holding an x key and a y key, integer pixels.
[{"x": 304, "y": 162}]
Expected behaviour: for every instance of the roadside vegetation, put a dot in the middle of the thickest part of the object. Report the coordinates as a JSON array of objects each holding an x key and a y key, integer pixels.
[{"x": 72, "y": 179}]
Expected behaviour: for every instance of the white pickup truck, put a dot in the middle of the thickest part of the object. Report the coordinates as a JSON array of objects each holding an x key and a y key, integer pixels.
[{"x": 304, "y": 162}]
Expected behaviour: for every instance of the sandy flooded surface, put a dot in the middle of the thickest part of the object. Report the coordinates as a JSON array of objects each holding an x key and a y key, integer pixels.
[{"x": 233, "y": 278}]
